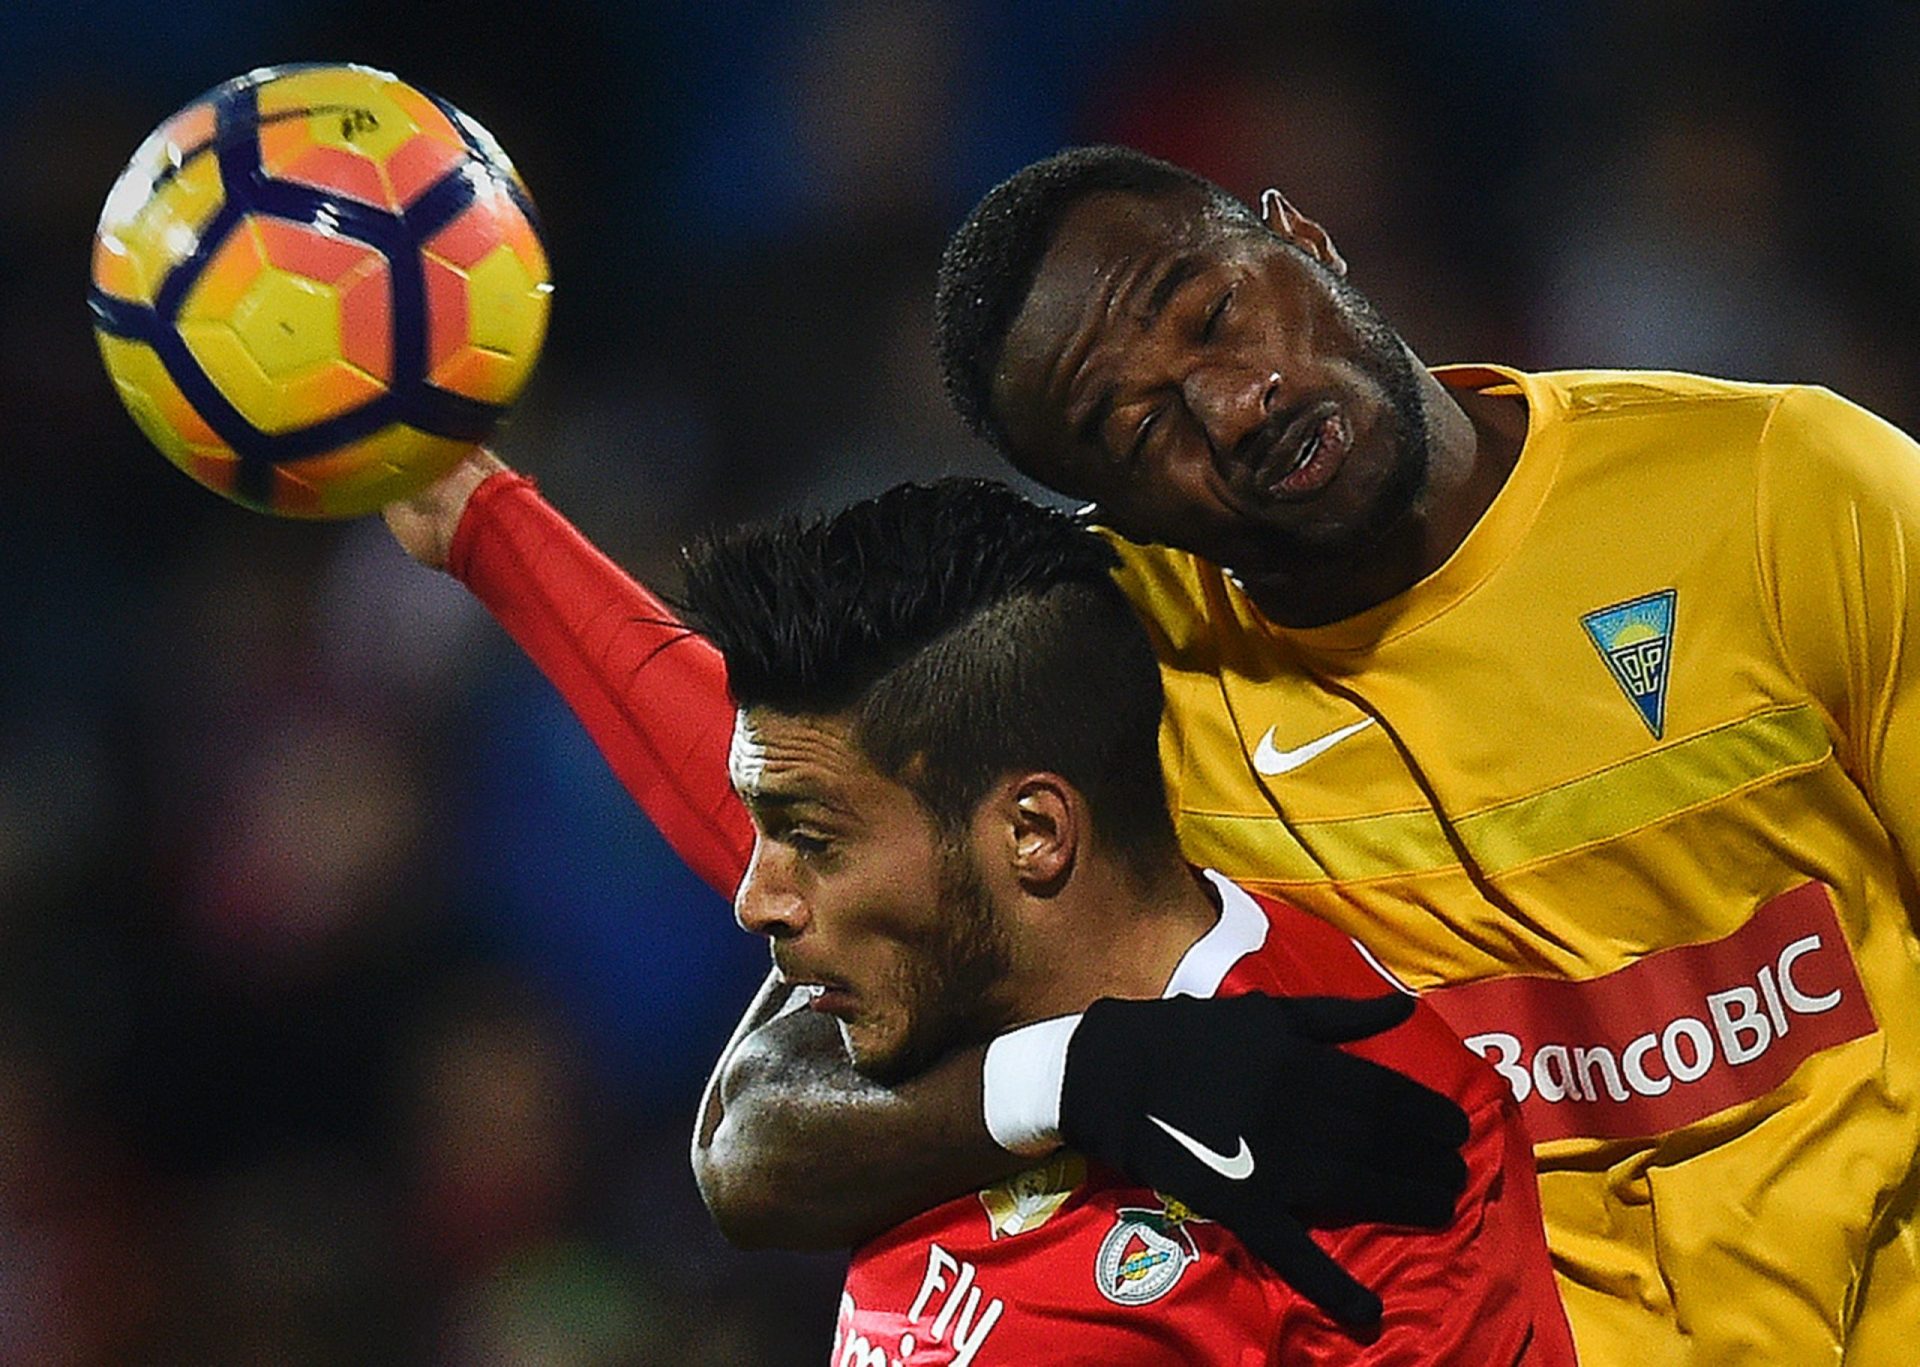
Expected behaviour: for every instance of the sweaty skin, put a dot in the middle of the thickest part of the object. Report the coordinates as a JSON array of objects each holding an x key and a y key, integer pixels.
[{"x": 1172, "y": 366}]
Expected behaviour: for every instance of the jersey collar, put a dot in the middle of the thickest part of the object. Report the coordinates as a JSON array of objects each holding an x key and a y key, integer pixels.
[{"x": 1241, "y": 930}]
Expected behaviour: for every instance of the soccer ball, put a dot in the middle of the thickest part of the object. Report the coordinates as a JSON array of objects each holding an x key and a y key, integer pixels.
[{"x": 316, "y": 288}]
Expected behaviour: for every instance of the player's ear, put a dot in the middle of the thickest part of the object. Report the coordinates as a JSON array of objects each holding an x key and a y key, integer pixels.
[
  {"x": 1286, "y": 221},
  {"x": 1046, "y": 820}
]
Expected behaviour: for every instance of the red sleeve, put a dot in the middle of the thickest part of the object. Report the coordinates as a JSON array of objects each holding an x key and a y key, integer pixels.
[{"x": 651, "y": 693}]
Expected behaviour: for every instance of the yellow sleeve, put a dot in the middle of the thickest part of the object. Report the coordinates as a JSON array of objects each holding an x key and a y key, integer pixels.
[{"x": 1839, "y": 549}]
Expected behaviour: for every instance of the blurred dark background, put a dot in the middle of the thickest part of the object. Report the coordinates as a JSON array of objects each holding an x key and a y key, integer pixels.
[{"x": 349, "y": 1013}]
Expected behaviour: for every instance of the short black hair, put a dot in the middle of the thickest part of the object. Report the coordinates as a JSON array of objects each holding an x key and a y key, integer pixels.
[
  {"x": 988, "y": 267},
  {"x": 965, "y": 632}
]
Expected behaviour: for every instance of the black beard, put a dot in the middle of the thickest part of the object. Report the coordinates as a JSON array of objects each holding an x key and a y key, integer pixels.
[
  {"x": 950, "y": 987},
  {"x": 1406, "y": 480}
]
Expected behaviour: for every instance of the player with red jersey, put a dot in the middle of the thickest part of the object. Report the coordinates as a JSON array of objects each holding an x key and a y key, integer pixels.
[
  {"x": 1668, "y": 893},
  {"x": 947, "y": 743},
  {"x": 1067, "y": 1263},
  {"x": 1348, "y": 1140}
]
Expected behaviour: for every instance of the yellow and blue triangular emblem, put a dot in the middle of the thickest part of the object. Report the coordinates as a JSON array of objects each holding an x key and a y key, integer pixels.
[{"x": 1636, "y": 640}]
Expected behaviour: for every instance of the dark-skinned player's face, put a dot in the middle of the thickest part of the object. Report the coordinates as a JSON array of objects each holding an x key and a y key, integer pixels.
[{"x": 1212, "y": 385}]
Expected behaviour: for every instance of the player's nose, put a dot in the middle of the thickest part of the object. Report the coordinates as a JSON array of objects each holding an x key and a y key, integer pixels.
[
  {"x": 768, "y": 901},
  {"x": 1231, "y": 401}
]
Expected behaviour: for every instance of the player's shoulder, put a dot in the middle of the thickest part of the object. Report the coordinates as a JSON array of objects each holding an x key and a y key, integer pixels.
[
  {"x": 1305, "y": 955},
  {"x": 1586, "y": 394},
  {"x": 1603, "y": 417},
  {"x": 1799, "y": 438},
  {"x": 1168, "y": 588},
  {"x": 1813, "y": 428},
  {"x": 1607, "y": 389},
  {"x": 1798, "y": 447},
  {"x": 1836, "y": 480}
]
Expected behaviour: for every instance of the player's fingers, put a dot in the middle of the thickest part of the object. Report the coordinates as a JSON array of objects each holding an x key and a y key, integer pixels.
[
  {"x": 1341, "y": 1020},
  {"x": 1347, "y": 1155},
  {"x": 1344, "y": 1194},
  {"x": 1285, "y": 1247},
  {"x": 1397, "y": 1105}
]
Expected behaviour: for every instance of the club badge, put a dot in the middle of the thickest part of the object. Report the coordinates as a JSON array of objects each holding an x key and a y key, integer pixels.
[
  {"x": 1635, "y": 638},
  {"x": 1145, "y": 1252}
]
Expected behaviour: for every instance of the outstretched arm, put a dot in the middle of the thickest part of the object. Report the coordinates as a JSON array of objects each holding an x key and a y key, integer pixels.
[
  {"x": 796, "y": 1150},
  {"x": 651, "y": 693}
]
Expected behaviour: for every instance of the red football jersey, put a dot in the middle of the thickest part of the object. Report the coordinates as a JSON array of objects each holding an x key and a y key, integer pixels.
[{"x": 1068, "y": 1263}]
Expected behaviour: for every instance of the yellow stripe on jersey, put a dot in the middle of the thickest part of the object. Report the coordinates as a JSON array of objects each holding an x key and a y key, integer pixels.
[
  {"x": 1351, "y": 850},
  {"x": 1645, "y": 790},
  {"x": 1636, "y": 793}
]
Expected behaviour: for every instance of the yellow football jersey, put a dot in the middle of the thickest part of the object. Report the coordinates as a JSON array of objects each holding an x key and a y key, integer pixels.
[{"x": 1631, "y": 787}]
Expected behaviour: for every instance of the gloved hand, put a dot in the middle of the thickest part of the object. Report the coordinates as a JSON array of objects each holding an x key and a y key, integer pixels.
[{"x": 1243, "y": 1109}]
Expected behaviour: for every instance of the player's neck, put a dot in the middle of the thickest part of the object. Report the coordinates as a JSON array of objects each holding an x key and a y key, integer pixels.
[{"x": 1110, "y": 936}]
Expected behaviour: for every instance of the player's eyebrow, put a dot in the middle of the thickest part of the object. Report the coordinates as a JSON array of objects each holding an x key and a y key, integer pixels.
[
  {"x": 1178, "y": 271},
  {"x": 774, "y": 803},
  {"x": 761, "y": 800}
]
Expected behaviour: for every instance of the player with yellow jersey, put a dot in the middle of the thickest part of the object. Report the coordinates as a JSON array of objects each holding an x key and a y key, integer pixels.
[
  {"x": 1586, "y": 696},
  {"x": 1609, "y": 789}
]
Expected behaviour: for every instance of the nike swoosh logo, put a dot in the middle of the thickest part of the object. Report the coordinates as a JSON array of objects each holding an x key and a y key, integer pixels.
[
  {"x": 1235, "y": 1169},
  {"x": 1270, "y": 760}
]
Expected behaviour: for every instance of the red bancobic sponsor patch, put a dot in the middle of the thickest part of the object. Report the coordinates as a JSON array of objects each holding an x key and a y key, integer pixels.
[{"x": 1675, "y": 1036}]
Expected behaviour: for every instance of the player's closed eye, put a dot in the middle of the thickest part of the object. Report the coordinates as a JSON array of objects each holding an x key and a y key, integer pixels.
[
  {"x": 1216, "y": 314},
  {"x": 1144, "y": 432},
  {"x": 807, "y": 844}
]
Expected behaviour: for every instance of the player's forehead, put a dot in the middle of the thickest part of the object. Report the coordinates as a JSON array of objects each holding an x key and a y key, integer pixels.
[
  {"x": 1103, "y": 242},
  {"x": 1111, "y": 254},
  {"x": 783, "y": 761},
  {"x": 776, "y": 755}
]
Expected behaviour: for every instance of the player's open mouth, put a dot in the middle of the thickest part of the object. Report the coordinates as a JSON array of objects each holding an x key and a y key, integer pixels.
[
  {"x": 828, "y": 998},
  {"x": 1307, "y": 455},
  {"x": 831, "y": 1001}
]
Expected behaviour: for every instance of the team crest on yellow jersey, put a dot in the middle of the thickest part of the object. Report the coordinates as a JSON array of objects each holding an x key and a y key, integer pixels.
[
  {"x": 1027, "y": 1200},
  {"x": 1635, "y": 638}
]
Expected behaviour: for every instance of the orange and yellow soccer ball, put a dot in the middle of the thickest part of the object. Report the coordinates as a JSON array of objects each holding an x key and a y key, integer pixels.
[{"x": 317, "y": 287}]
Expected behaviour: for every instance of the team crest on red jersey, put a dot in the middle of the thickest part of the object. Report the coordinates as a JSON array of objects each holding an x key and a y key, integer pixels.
[{"x": 1145, "y": 1252}]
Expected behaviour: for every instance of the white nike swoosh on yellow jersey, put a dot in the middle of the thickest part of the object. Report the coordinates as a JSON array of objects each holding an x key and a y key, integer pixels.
[
  {"x": 1270, "y": 761},
  {"x": 1235, "y": 1169}
]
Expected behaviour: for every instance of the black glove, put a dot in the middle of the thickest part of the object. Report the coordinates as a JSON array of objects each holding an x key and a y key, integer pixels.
[{"x": 1243, "y": 1109}]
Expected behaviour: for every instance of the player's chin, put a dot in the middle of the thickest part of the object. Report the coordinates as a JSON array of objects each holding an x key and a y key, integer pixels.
[
  {"x": 1342, "y": 524},
  {"x": 887, "y": 1069},
  {"x": 885, "y": 1056}
]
